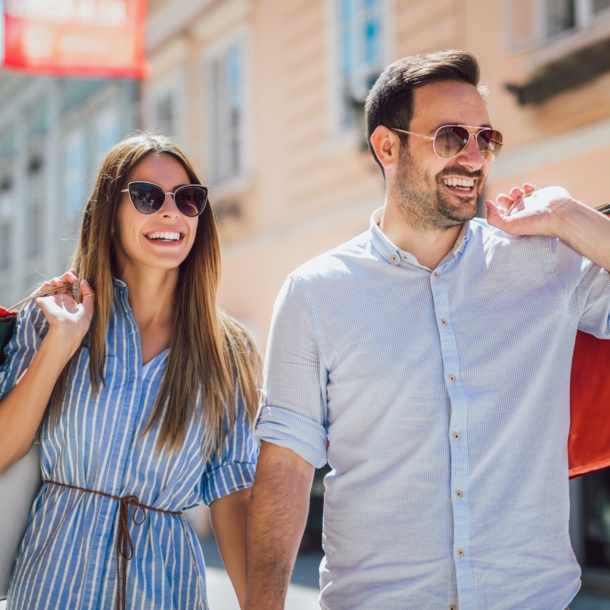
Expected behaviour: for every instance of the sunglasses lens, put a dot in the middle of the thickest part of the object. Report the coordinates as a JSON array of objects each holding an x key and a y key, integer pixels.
[
  {"x": 146, "y": 198},
  {"x": 450, "y": 141},
  {"x": 489, "y": 142},
  {"x": 191, "y": 200}
]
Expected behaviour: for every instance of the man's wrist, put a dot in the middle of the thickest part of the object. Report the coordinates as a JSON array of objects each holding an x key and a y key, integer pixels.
[{"x": 568, "y": 214}]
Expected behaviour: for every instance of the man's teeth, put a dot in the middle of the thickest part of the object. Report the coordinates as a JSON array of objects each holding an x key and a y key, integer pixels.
[
  {"x": 463, "y": 182},
  {"x": 164, "y": 235}
]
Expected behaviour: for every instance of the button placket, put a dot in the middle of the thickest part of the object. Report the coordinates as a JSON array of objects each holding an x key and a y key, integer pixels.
[{"x": 458, "y": 444}]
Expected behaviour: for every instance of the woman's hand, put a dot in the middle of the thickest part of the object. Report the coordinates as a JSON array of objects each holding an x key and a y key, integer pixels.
[{"x": 68, "y": 320}]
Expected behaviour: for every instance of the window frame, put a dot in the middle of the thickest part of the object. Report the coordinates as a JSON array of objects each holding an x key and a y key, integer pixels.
[
  {"x": 338, "y": 126},
  {"x": 240, "y": 37},
  {"x": 174, "y": 87}
]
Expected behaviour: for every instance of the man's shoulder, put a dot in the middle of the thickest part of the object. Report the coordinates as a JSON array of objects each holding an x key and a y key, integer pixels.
[
  {"x": 337, "y": 264},
  {"x": 491, "y": 236}
]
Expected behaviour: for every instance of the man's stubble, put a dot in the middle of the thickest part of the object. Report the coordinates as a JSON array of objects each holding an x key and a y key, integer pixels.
[{"x": 422, "y": 202}]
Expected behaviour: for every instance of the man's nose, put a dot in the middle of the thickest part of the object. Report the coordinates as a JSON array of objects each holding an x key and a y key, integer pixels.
[{"x": 471, "y": 157}]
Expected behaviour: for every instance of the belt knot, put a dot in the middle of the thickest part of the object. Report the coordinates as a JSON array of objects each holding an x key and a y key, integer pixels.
[{"x": 124, "y": 543}]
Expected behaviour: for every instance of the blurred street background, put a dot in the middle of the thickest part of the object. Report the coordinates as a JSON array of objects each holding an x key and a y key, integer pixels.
[{"x": 266, "y": 96}]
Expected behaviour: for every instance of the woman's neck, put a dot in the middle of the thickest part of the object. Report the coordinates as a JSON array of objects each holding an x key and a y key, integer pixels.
[{"x": 151, "y": 298}]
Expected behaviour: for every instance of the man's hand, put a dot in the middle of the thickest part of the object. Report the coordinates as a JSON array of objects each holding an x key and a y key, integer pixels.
[
  {"x": 558, "y": 215},
  {"x": 538, "y": 214},
  {"x": 276, "y": 520}
]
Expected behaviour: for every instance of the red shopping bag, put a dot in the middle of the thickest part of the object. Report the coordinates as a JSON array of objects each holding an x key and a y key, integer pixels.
[{"x": 589, "y": 440}]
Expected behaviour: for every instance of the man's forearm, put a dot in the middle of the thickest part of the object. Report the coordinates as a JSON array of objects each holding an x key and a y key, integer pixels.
[
  {"x": 587, "y": 231},
  {"x": 276, "y": 520}
]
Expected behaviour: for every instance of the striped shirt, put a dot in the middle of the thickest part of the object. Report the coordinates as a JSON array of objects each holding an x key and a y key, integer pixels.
[
  {"x": 67, "y": 558},
  {"x": 444, "y": 396}
]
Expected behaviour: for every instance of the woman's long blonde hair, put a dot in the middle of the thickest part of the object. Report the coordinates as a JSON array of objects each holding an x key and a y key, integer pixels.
[{"x": 210, "y": 353}]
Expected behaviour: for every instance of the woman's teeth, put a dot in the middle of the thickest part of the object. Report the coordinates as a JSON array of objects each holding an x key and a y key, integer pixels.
[
  {"x": 460, "y": 183},
  {"x": 164, "y": 236}
]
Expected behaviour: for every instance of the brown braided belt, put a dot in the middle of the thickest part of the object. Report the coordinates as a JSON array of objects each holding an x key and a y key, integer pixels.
[{"x": 124, "y": 544}]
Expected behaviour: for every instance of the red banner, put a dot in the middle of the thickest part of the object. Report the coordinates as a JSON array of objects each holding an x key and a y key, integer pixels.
[{"x": 102, "y": 38}]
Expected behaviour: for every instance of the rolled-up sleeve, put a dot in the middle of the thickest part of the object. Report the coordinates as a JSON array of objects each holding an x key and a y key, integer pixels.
[
  {"x": 588, "y": 290},
  {"x": 294, "y": 412},
  {"x": 30, "y": 329},
  {"x": 234, "y": 467}
]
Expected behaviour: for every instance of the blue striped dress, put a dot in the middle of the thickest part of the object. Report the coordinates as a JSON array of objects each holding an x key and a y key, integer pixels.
[{"x": 67, "y": 558}]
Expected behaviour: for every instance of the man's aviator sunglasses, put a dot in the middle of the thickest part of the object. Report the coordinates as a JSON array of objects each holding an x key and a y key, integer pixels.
[
  {"x": 451, "y": 140},
  {"x": 149, "y": 198}
]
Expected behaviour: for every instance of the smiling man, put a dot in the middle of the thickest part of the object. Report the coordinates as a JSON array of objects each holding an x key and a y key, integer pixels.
[{"x": 428, "y": 361}]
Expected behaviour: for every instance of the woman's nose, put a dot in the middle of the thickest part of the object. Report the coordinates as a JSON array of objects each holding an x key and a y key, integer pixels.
[{"x": 169, "y": 207}]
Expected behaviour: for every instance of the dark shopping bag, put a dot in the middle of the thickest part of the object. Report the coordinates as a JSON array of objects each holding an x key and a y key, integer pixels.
[{"x": 7, "y": 325}]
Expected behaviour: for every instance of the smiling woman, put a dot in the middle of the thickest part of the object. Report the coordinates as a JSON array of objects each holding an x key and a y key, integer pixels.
[{"x": 145, "y": 408}]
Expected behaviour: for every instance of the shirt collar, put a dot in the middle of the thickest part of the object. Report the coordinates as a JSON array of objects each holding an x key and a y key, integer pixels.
[{"x": 395, "y": 256}]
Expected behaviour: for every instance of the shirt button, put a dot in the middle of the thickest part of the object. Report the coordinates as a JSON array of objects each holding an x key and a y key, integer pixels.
[
  {"x": 405, "y": 257},
  {"x": 456, "y": 436},
  {"x": 452, "y": 607},
  {"x": 461, "y": 553},
  {"x": 393, "y": 258},
  {"x": 436, "y": 274},
  {"x": 443, "y": 322},
  {"x": 451, "y": 378},
  {"x": 459, "y": 493}
]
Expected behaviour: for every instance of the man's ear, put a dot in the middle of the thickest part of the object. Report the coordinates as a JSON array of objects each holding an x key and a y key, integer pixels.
[{"x": 386, "y": 145}]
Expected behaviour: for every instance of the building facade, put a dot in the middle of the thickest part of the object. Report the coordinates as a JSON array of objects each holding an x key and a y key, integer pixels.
[{"x": 53, "y": 134}]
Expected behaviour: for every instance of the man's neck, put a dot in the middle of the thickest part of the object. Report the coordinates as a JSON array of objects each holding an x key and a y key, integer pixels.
[{"x": 428, "y": 245}]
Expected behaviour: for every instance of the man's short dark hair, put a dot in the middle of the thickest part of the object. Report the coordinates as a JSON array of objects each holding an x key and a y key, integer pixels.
[{"x": 390, "y": 101}]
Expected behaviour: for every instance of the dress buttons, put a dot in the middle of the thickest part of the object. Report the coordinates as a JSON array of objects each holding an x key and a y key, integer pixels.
[
  {"x": 456, "y": 436},
  {"x": 436, "y": 274},
  {"x": 459, "y": 493},
  {"x": 393, "y": 258},
  {"x": 444, "y": 322},
  {"x": 461, "y": 553},
  {"x": 451, "y": 378}
]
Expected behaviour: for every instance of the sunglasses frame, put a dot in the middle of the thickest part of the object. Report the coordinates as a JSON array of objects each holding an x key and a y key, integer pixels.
[
  {"x": 475, "y": 133},
  {"x": 166, "y": 193}
]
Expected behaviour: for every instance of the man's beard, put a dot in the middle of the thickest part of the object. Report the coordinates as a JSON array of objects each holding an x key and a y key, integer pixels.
[{"x": 427, "y": 207}]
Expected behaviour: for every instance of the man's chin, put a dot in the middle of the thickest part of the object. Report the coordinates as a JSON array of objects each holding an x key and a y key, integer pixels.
[{"x": 464, "y": 211}]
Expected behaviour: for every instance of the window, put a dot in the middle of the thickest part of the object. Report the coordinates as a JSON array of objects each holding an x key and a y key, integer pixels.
[
  {"x": 165, "y": 115},
  {"x": 227, "y": 120},
  {"x": 6, "y": 245},
  {"x": 108, "y": 133},
  {"x": 535, "y": 22},
  {"x": 360, "y": 52},
  {"x": 34, "y": 210},
  {"x": 560, "y": 16},
  {"x": 75, "y": 181},
  {"x": 6, "y": 225}
]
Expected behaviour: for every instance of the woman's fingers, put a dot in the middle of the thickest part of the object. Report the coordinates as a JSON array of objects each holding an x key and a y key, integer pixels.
[
  {"x": 67, "y": 278},
  {"x": 88, "y": 296}
]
